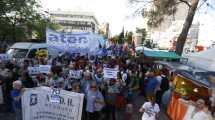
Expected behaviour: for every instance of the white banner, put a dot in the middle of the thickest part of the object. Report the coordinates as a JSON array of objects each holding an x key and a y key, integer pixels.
[
  {"x": 44, "y": 103},
  {"x": 5, "y": 57},
  {"x": 74, "y": 42},
  {"x": 41, "y": 69},
  {"x": 44, "y": 68},
  {"x": 1, "y": 95},
  {"x": 33, "y": 70},
  {"x": 75, "y": 74},
  {"x": 110, "y": 72}
]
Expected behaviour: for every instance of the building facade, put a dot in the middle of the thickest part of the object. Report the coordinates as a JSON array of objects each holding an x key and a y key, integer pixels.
[
  {"x": 166, "y": 34},
  {"x": 73, "y": 21},
  {"x": 167, "y": 40}
]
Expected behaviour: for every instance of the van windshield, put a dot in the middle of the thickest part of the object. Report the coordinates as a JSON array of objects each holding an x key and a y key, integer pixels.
[{"x": 17, "y": 53}]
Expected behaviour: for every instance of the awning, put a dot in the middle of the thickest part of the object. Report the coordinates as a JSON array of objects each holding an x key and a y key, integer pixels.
[
  {"x": 161, "y": 54},
  {"x": 157, "y": 53}
]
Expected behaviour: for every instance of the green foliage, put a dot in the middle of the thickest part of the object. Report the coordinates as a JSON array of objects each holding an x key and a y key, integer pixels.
[
  {"x": 116, "y": 38},
  {"x": 39, "y": 28},
  {"x": 128, "y": 37},
  {"x": 122, "y": 37},
  {"x": 19, "y": 18},
  {"x": 161, "y": 9},
  {"x": 148, "y": 44}
]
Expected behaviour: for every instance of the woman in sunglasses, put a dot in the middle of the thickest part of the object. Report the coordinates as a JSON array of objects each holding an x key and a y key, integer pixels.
[{"x": 95, "y": 102}]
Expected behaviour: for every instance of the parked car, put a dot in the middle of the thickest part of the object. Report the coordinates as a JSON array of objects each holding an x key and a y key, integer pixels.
[{"x": 23, "y": 50}]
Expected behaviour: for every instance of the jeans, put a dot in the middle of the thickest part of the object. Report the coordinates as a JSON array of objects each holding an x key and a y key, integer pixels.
[{"x": 18, "y": 113}]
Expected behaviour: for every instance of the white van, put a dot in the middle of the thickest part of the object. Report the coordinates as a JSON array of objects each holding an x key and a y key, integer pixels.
[{"x": 22, "y": 50}]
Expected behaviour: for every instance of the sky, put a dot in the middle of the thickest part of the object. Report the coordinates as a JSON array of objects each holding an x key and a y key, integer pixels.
[{"x": 116, "y": 12}]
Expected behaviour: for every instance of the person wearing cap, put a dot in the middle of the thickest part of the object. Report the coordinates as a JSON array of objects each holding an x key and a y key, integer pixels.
[{"x": 16, "y": 95}]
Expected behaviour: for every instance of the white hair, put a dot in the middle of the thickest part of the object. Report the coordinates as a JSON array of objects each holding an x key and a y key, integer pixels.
[
  {"x": 17, "y": 82},
  {"x": 87, "y": 73}
]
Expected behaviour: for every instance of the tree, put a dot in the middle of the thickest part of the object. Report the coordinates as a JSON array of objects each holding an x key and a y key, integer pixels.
[
  {"x": 122, "y": 36},
  {"x": 128, "y": 37},
  {"x": 116, "y": 39},
  {"x": 163, "y": 8},
  {"x": 39, "y": 28},
  {"x": 14, "y": 15}
]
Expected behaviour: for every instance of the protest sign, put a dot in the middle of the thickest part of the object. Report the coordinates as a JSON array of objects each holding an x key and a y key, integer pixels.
[
  {"x": 75, "y": 74},
  {"x": 44, "y": 68},
  {"x": 110, "y": 72},
  {"x": 75, "y": 42},
  {"x": 33, "y": 70},
  {"x": 1, "y": 95},
  {"x": 4, "y": 57},
  {"x": 44, "y": 103},
  {"x": 41, "y": 69}
]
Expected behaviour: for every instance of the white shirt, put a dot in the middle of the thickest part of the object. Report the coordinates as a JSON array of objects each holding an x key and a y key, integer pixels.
[
  {"x": 191, "y": 114},
  {"x": 150, "y": 111},
  {"x": 201, "y": 115}
]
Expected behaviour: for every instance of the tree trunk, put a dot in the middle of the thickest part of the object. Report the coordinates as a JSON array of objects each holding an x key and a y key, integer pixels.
[{"x": 188, "y": 22}]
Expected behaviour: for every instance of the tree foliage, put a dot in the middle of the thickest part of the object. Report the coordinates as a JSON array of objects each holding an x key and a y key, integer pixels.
[
  {"x": 38, "y": 28},
  {"x": 115, "y": 39},
  {"x": 161, "y": 9},
  {"x": 15, "y": 13},
  {"x": 128, "y": 37},
  {"x": 122, "y": 37},
  {"x": 18, "y": 18}
]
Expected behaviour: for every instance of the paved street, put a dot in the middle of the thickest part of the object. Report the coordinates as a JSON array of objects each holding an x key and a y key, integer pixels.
[{"x": 136, "y": 116}]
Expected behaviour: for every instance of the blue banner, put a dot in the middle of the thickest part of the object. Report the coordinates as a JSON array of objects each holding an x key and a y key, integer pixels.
[{"x": 75, "y": 42}]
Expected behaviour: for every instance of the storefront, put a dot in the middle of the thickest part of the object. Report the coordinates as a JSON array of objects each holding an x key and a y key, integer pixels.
[{"x": 189, "y": 84}]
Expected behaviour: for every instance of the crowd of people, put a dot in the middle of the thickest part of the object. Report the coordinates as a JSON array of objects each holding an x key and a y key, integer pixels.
[{"x": 104, "y": 97}]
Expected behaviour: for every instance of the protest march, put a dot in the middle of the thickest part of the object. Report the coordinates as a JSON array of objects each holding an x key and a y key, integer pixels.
[{"x": 96, "y": 83}]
